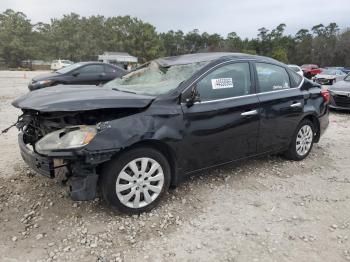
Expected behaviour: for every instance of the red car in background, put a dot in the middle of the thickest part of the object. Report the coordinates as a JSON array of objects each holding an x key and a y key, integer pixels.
[{"x": 311, "y": 70}]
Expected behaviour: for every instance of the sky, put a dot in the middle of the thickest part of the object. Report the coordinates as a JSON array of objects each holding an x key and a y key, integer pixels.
[{"x": 244, "y": 17}]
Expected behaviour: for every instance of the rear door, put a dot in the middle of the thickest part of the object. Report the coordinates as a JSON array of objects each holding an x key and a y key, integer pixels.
[
  {"x": 281, "y": 105},
  {"x": 223, "y": 126}
]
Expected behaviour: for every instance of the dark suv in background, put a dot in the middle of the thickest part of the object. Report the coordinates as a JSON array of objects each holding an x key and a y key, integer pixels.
[
  {"x": 136, "y": 136},
  {"x": 84, "y": 73}
]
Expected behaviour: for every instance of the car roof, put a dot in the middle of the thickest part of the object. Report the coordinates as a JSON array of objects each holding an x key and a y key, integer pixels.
[
  {"x": 207, "y": 57},
  {"x": 99, "y": 63}
]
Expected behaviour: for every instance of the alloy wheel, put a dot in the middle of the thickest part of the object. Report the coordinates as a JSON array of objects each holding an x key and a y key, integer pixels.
[
  {"x": 304, "y": 140},
  {"x": 140, "y": 182}
]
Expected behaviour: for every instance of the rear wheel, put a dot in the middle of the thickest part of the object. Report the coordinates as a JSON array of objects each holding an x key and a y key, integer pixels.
[
  {"x": 302, "y": 142},
  {"x": 136, "y": 181}
]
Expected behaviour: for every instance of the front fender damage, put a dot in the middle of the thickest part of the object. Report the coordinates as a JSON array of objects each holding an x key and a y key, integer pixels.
[
  {"x": 118, "y": 130},
  {"x": 122, "y": 133},
  {"x": 115, "y": 136}
]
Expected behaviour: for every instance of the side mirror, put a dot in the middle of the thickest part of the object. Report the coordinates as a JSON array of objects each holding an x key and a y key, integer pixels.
[
  {"x": 193, "y": 97},
  {"x": 75, "y": 74}
]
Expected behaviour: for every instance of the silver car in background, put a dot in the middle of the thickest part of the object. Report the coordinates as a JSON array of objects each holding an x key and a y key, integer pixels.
[{"x": 340, "y": 94}]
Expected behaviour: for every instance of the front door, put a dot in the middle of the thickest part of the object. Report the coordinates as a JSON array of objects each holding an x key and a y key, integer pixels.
[{"x": 224, "y": 125}]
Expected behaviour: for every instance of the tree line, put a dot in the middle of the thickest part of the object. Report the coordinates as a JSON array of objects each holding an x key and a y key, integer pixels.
[{"x": 80, "y": 38}]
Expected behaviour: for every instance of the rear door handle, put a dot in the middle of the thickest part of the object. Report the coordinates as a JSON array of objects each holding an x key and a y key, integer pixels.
[
  {"x": 296, "y": 105},
  {"x": 250, "y": 113}
]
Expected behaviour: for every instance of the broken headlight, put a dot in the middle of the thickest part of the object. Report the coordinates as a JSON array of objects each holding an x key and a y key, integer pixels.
[{"x": 67, "y": 138}]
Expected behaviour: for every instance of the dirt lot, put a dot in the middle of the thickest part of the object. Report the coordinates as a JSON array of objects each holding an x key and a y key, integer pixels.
[{"x": 267, "y": 209}]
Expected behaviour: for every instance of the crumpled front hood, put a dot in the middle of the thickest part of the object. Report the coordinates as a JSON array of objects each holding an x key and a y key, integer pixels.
[
  {"x": 343, "y": 86},
  {"x": 79, "y": 98}
]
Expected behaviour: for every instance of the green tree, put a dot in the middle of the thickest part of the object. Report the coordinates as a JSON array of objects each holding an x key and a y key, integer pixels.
[
  {"x": 16, "y": 38},
  {"x": 233, "y": 42},
  {"x": 84, "y": 38},
  {"x": 193, "y": 41},
  {"x": 280, "y": 54}
]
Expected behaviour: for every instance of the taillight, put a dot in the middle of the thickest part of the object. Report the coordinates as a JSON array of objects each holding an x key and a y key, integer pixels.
[{"x": 326, "y": 96}]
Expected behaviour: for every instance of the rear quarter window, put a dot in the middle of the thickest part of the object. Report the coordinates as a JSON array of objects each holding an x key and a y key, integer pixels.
[
  {"x": 272, "y": 77},
  {"x": 295, "y": 79}
]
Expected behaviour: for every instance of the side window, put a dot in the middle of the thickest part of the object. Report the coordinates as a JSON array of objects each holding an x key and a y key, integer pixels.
[
  {"x": 91, "y": 70},
  {"x": 227, "y": 81},
  {"x": 295, "y": 78},
  {"x": 272, "y": 77},
  {"x": 110, "y": 69}
]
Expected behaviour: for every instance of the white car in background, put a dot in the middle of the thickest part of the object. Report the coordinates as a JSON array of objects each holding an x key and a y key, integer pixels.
[
  {"x": 296, "y": 69},
  {"x": 58, "y": 64}
]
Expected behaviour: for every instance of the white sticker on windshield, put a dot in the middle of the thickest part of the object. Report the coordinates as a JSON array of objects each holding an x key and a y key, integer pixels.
[{"x": 220, "y": 83}]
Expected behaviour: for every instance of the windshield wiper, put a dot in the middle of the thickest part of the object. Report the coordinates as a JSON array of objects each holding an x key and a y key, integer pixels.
[{"x": 125, "y": 91}]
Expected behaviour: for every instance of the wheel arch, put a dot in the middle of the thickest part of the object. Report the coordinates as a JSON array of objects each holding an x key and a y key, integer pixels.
[
  {"x": 316, "y": 124},
  {"x": 165, "y": 149}
]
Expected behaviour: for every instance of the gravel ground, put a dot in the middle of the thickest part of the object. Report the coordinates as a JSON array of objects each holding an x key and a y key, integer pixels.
[{"x": 266, "y": 209}]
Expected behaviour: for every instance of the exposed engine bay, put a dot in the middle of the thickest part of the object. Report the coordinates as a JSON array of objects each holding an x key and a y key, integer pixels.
[{"x": 35, "y": 125}]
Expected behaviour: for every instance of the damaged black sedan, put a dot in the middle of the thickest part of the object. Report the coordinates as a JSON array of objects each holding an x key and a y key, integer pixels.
[{"x": 137, "y": 136}]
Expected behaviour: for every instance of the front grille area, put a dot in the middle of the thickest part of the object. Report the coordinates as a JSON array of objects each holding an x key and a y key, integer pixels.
[
  {"x": 324, "y": 81},
  {"x": 342, "y": 100}
]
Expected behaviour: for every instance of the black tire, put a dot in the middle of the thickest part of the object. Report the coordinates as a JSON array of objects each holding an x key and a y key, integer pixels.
[
  {"x": 292, "y": 153},
  {"x": 112, "y": 170}
]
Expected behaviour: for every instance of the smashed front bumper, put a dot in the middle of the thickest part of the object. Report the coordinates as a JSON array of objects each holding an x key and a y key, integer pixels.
[
  {"x": 42, "y": 164},
  {"x": 81, "y": 168}
]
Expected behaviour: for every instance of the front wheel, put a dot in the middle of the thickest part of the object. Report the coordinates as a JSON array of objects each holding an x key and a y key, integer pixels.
[
  {"x": 136, "y": 181},
  {"x": 302, "y": 142}
]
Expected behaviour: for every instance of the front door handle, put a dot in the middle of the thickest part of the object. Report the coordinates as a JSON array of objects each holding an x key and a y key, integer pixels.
[
  {"x": 296, "y": 105},
  {"x": 250, "y": 113}
]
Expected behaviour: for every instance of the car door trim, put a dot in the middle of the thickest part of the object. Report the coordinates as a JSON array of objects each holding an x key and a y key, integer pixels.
[{"x": 237, "y": 97}]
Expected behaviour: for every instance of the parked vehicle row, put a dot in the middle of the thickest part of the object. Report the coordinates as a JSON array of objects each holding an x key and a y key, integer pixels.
[
  {"x": 172, "y": 117},
  {"x": 311, "y": 71},
  {"x": 338, "y": 80}
]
